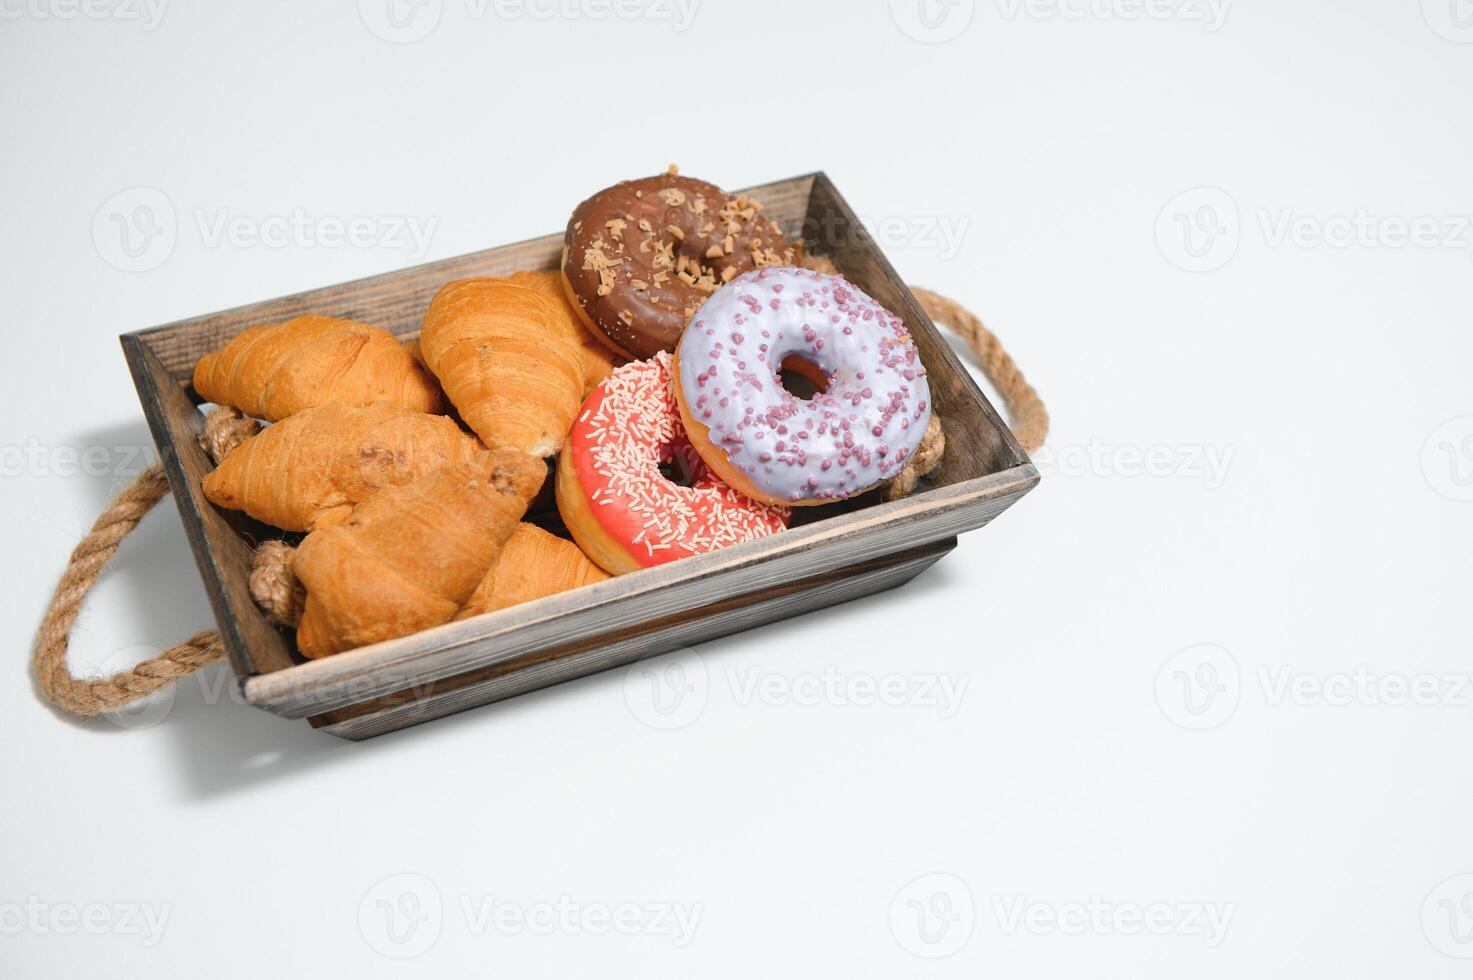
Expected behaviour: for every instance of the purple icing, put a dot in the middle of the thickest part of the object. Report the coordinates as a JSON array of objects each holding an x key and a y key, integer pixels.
[{"x": 844, "y": 440}]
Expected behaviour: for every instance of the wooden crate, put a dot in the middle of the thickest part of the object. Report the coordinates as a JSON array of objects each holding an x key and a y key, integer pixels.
[{"x": 832, "y": 554}]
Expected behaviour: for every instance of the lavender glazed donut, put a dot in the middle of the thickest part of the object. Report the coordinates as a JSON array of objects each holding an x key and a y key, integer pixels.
[{"x": 864, "y": 422}]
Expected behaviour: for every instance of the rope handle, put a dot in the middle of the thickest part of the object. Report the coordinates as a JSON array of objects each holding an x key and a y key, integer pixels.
[
  {"x": 86, "y": 697},
  {"x": 224, "y": 429},
  {"x": 1025, "y": 408}
]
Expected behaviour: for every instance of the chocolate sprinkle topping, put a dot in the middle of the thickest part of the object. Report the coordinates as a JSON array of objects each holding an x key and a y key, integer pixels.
[{"x": 642, "y": 256}]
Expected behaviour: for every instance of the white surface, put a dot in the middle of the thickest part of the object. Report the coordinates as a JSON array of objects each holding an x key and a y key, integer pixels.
[{"x": 1053, "y": 138}]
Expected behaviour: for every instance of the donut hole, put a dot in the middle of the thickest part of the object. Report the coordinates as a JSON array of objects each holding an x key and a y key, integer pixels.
[
  {"x": 678, "y": 465},
  {"x": 802, "y": 378}
]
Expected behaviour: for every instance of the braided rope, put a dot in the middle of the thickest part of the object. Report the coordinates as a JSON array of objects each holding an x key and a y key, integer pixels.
[
  {"x": 225, "y": 429},
  {"x": 1026, "y": 409},
  {"x": 86, "y": 697},
  {"x": 274, "y": 586}
]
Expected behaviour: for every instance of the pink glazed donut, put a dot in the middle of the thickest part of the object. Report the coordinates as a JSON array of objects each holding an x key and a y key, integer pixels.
[{"x": 868, "y": 416}]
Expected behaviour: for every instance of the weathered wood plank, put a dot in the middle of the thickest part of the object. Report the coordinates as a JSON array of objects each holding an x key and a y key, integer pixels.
[
  {"x": 557, "y": 665},
  {"x": 630, "y": 600},
  {"x": 222, "y": 541}
]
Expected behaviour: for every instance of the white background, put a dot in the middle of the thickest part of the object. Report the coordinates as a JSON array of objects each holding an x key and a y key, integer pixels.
[{"x": 1029, "y": 159}]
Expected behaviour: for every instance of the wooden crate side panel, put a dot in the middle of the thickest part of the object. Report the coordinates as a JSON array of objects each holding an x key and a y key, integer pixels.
[
  {"x": 565, "y": 664},
  {"x": 220, "y": 540},
  {"x": 629, "y": 600}
]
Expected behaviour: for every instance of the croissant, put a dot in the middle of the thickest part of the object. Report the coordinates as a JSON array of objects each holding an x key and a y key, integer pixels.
[
  {"x": 594, "y": 355},
  {"x": 309, "y": 471},
  {"x": 273, "y": 372},
  {"x": 506, "y": 365},
  {"x": 533, "y": 564},
  {"x": 408, "y": 558}
]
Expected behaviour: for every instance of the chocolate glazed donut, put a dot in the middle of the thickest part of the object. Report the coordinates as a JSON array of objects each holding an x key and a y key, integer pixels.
[{"x": 640, "y": 258}]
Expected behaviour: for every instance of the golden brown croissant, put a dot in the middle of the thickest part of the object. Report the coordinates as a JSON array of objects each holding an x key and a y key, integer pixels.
[
  {"x": 310, "y": 470},
  {"x": 593, "y": 354},
  {"x": 408, "y": 558},
  {"x": 273, "y": 372},
  {"x": 507, "y": 366},
  {"x": 533, "y": 564}
]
